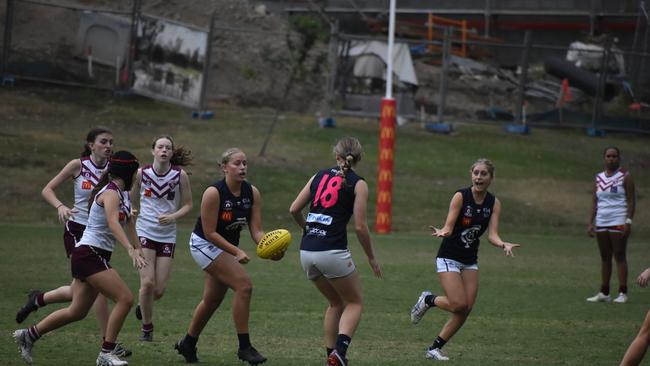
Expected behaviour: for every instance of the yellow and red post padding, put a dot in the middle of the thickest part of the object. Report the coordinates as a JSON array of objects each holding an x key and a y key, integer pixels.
[{"x": 385, "y": 178}]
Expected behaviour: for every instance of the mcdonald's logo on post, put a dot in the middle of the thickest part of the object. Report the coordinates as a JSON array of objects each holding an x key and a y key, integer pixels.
[
  {"x": 385, "y": 175},
  {"x": 388, "y": 111},
  {"x": 387, "y": 133},
  {"x": 384, "y": 197},
  {"x": 386, "y": 154},
  {"x": 383, "y": 219}
]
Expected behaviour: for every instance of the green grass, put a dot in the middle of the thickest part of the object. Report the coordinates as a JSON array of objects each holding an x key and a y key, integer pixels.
[{"x": 530, "y": 309}]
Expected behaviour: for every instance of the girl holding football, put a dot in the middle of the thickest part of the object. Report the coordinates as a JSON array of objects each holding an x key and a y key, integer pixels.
[
  {"x": 472, "y": 211},
  {"x": 84, "y": 173},
  {"x": 109, "y": 210},
  {"x": 163, "y": 193},
  {"x": 611, "y": 216},
  {"x": 334, "y": 195},
  {"x": 226, "y": 207}
]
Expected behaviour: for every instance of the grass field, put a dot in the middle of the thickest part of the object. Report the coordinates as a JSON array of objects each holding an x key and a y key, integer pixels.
[{"x": 530, "y": 309}]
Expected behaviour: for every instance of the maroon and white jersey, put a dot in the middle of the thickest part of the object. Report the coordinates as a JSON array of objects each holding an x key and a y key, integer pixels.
[
  {"x": 610, "y": 197},
  {"x": 159, "y": 194},
  {"x": 84, "y": 183},
  {"x": 97, "y": 233}
]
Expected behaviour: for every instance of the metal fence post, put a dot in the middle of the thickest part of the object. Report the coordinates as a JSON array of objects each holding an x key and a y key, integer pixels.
[
  {"x": 487, "y": 17},
  {"x": 442, "y": 93},
  {"x": 207, "y": 63},
  {"x": 523, "y": 78},
  {"x": 332, "y": 57},
  {"x": 6, "y": 45},
  {"x": 135, "y": 21},
  {"x": 602, "y": 78}
]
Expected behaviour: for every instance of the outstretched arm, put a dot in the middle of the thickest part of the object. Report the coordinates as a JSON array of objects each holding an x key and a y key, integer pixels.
[
  {"x": 454, "y": 210},
  {"x": 493, "y": 231}
]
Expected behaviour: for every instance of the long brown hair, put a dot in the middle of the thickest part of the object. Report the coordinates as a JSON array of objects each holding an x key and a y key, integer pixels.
[
  {"x": 181, "y": 155},
  {"x": 90, "y": 138}
]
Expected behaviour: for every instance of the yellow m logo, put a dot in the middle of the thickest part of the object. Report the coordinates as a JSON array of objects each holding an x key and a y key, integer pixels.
[
  {"x": 384, "y": 197},
  {"x": 388, "y": 111},
  {"x": 386, "y": 154},
  {"x": 383, "y": 219},
  {"x": 385, "y": 175}
]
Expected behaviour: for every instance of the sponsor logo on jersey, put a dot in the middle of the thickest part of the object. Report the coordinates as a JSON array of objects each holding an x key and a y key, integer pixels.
[
  {"x": 468, "y": 211},
  {"x": 614, "y": 189},
  {"x": 469, "y": 235},
  {"x": 171, "y": 195},
  {"x": 86, "y": 185},
  {"x": 226, "y": 215},
  {"x": 147, "y": 192},
  {"x": 227, "y": 204},
  {"x": 467, "y": 221},
  {"x": 486, "y": 212},
  {"x": 237, "y": 225},
  {"x": 246, "y": 202},
  {"x": 316, "y": 231},
  {"x": 319, "y": 218}
]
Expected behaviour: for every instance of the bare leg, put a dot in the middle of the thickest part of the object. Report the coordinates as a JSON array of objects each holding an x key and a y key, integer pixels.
[
  {"x": 101, "y": 312},
  {"x": 619, "y": 247},
  {"x": 83, "y": 296},
  {"x": 349, "y": 290},
  {"x": 461, "y": 290},
  {"x": 231, "y": 273},
  {"x": 637, "y": 349},
  {"x": 213, "y": 294},
  {"x": 332, "y": 313},
  {"x": 147, "y": 285},
  {"x": 60, "y": 294},
  {"x": 113, "y": 287},
  {"x": 605, "y": 247}
]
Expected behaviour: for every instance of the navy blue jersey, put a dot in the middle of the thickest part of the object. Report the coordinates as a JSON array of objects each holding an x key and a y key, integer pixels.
[
  {"x": 331, "y": 203},
  {"x": 471, "y": 223},
  {"x": 234, "y": 212}
]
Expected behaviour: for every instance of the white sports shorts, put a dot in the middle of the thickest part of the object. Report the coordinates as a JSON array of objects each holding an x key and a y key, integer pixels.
[
  {"x": 330, "y": 263},
  {"x": 450, "y": 265},
  {"x": 203, "y": 251}
]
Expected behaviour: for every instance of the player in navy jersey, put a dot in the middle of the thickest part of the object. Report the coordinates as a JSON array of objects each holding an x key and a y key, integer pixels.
[
  {"x": 613, "y": 205},
  {"x": 637, "y": 349},
  {"x": 109, "y": 210},
  {"x": 162, "y": 190},
  {"x": 84, "y": 173},
  {"x": 472, "y": 211},
  {"x": 334, "y": 195},
  {"x": 227, "y": 206}
]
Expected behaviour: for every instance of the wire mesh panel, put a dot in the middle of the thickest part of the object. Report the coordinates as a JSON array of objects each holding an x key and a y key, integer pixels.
[{"x": 68, "y": 45}]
